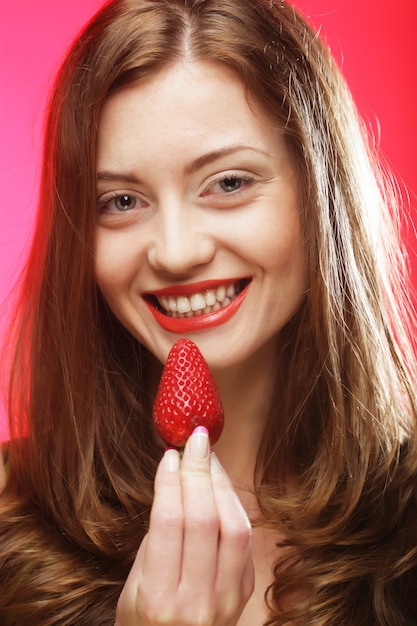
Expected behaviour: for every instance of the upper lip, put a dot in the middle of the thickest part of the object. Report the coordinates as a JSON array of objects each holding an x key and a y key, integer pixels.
[{"x": 191, "y": 288}]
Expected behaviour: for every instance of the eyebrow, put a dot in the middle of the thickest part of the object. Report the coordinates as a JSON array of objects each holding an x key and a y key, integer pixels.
[
  {"x": 210, "y": 157},
  {"x": 118, "y": 177},
  {"x": 197, "y": 164}
]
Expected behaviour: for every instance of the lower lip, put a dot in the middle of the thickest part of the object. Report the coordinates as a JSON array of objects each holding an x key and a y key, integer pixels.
[{"x": 181, "y": 325}]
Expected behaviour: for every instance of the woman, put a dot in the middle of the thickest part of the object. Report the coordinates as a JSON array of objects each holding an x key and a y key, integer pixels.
[{"x": 196, "y": 149}]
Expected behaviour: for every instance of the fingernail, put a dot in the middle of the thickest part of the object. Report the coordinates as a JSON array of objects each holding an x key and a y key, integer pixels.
[
  {"x": 171, "y": 460},
  {"x": 215, "y": 466},
  {"x": 200, "y": 442}
]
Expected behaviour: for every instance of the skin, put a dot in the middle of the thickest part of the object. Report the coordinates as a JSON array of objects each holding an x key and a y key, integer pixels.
[
  {"x": 211, "y": 193},
  {"x": 206, "y": 582},
  {"x": 184, "y": 228}
]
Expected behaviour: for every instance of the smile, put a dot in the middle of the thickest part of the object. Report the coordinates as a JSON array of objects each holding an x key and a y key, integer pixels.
[
  {"x": 200, "y": 303},
  {"x": 198, "y": 306}
]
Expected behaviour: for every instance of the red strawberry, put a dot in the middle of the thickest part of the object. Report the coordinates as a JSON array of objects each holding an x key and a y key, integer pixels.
[{"x": 187, "y": 397}]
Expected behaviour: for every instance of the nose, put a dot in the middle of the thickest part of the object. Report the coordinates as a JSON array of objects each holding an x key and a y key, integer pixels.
[{"x": 181, "y": 240}]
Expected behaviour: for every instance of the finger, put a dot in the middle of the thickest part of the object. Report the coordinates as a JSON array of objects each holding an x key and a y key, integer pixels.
[
  {"x": 201, "y": 518},
  {"x": 248, "y": 578},
  {"x": 235, "y": 565},
  {"x": 126, "y": 609},
  {"x": 163, "y": 555}
]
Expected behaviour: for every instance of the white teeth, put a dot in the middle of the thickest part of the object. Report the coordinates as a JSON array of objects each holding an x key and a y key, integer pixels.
[
  {"x": 211, "y": 297},
  {"x": 172, "y": 304},
  {"x": 183, "y": 305},
  {"x": 199, "y": 303},
  {"x": 230, "y": 291},
  {"x": 221, "y": 293}
]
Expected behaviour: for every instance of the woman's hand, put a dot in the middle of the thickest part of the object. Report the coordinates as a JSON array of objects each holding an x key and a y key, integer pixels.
[{"x": 194, "y": 567}]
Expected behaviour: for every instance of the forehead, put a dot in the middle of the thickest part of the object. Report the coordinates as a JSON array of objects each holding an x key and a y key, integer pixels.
[{"x": 189, "y": 105}]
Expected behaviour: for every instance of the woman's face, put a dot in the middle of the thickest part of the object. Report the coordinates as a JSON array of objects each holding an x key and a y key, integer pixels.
[{"x": 198, "y": 227}]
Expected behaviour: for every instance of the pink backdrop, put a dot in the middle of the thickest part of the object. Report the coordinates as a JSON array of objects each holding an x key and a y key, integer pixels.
[{"x": 374, "y": 43}]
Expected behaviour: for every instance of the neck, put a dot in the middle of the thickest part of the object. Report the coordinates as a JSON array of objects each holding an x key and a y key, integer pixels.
[{"x": 246, "y": 392}]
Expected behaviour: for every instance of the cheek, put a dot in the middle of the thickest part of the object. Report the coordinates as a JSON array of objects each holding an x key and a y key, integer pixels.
[
  {"x": 103, "y": 270},
  {"x": 112, "y": 279},
  {"x": 280, "y": 244},
  {"x": 112, "y": 265},
  {"x": 287, "y": 269}
]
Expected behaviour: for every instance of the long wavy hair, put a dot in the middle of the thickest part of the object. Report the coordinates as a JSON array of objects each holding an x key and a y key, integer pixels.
[{"x": 343, "y": 424}]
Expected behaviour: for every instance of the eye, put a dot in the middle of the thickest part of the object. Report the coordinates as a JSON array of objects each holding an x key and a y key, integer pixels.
[
  {"x": 125, "y": 202},
  {"x": 118, "y": 203},
  {"x": 229, "y": 184}
]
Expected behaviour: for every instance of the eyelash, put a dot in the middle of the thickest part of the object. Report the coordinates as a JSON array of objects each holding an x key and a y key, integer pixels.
[
  {"x": 114, "y": 196},
  {"x": 245, "y": 180},
  {"x": 232, "y": 178}
]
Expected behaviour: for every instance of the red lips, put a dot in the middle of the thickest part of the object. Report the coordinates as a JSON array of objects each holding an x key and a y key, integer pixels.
[{"x": 183, "y": 325}]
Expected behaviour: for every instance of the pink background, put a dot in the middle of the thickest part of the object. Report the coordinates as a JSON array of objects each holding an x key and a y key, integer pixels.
[{"x": 373, "y": 40}]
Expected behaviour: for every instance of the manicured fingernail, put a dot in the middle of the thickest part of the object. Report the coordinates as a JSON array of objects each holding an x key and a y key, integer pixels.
[
  {"x": 215, "y": 466},
  {"x": 171, "y": 460},
  {"x": 200, "y": 442}
]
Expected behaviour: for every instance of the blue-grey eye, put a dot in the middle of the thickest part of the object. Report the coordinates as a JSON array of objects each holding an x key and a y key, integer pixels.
[
  {"x": 125, "y": 202},
  {"x": 231, "y": 183}
]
